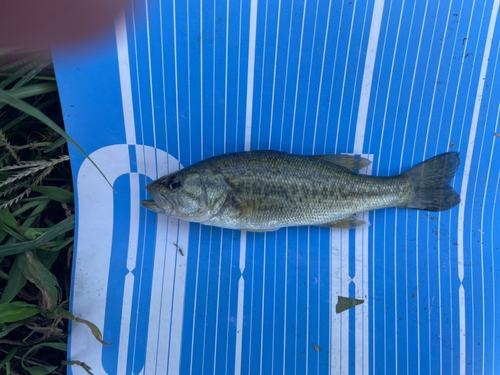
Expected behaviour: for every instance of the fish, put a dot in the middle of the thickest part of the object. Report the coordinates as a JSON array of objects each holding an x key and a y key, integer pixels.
[{"x": 267, "y": 190}]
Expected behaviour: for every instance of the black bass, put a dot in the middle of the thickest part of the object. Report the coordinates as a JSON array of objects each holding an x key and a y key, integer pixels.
[{"x": 268, "y": 190}]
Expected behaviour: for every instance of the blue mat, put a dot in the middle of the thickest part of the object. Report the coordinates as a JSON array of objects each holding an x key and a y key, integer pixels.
[{"x": 176, "y": 82}]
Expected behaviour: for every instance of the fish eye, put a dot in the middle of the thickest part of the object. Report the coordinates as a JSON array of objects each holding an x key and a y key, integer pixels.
[{"x": 175, "y": 183}]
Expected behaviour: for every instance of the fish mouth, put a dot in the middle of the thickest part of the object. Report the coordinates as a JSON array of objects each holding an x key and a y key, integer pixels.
[{"x": 161, "y": 203}]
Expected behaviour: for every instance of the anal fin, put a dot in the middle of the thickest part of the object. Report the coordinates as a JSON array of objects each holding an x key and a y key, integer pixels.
[{"x": 350, "y": 223}]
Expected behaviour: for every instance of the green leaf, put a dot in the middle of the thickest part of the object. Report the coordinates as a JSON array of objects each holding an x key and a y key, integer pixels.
[
  {"x": 4, "y": 331},
  {"x": 55, "y": 246},
  {"x": 25, "y": 107},
  {"x": 15, "y": 311},
  {"x": 60, "y": 312},
  {"x": 45, "y": 280},
  {"x": 40, "y": 370},
  {"x": 34, "y": 233},
  {"x": 47, "y": 257},
  {"x": 43, "y": 370},
  {"x": 11, "y": 355},
  {"x": 31, "y": 219},
  {"x": 13, "y": 233},
  {"x": 55, "y": 193},
  {"x": 57, "y": 143},
  {"x": 24, "y": 116},
  {"x": 7, "y": 218},
  {"x": 33, "y": 90},
  {"x": 16, "y": 282},
  {"x": 19, "y": 73},
  {"x": 62, "y": 227},
  {"x": 28, "y": 206}
]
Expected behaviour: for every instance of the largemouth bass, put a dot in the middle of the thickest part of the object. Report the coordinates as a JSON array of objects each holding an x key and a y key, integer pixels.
[{"x": 268, "y": 190}]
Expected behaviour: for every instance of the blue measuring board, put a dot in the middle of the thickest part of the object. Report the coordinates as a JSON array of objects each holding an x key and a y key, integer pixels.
[{"x": 176, "y": 82}]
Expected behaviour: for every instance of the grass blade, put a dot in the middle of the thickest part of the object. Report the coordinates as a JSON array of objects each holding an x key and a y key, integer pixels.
[
  {"x": 16, "y": 282},
  {"x": 55, "y": 193},
  {"x": 57, "y": 143},
  {"x": 23, "y": 106},
  {"x": 11, "y": 355},
  {"x": 37, "y": 211},
  {"x": 5, "y": 331},
  {"x": 45, "y": 280},
  {"x": 24, "y": 116},
  {"x": 15, "y": 311},
  {"x": 43, "y": 370},
  {"x": 58, "y": 229},
  {"x": 33, "y": 90}
]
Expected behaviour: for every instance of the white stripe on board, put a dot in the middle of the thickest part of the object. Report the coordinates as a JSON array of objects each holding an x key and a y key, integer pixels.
[
  {"x": 305, "y": 115},
  {"x": 155, "y": 311},
  {"x": 201, "y": 84},
  {"x": 412, "y": 163},
  {"x": 344, "y": 78},
  {"x": 318, "y": 101},
  {"x": 262, "y": 76},
  {"x": 153, "y": 125},
  {"x": 155, "y": 354},
  {"x": 177, "y": 303},
  {"x": 371, "y": 54},
  {"x": 468, "y": 160},
  {"x": 230, "y": 319},
  {"x": 357, "y": 72},
  {"x": 333, "y": 76},
  {"x": 146, "y": 167},
  {"x": 263, "y": 300},
  {"x": 345, "y": 280},
  {"x": 360, "y": 280},
  {"x": 129, "y": 279},
  {"x": 225, "y": 76},
  {"x": 94, "y": 242},
  {"x": 251, "y": 72},
  {"x": 483, "y": 206},
  {"x": 492, "y": 226},
  {"x": 218, "y": 303},
  {"x": 195, "y": 299},
  {"x": 176, "y": 89},
  {"x": 461, "y": 299},
  {"x": 248, "y": 137},
  {"x": 339, "y": 284},
  {"x": 335, "y": 275},
  {"x": 274, "y": 75},
  {"x": 298, "y": 74},
  {"x": 125, "y": 81}
]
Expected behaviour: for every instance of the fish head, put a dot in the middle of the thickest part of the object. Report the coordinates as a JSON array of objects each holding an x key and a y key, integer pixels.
[{"x": 192, "y": 195}]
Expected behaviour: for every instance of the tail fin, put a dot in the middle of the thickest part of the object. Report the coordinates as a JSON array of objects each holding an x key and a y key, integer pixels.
[{"x": 430, "y": 180}]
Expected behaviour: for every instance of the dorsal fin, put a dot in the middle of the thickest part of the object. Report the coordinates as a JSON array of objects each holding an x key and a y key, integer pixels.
[{"x": 353, "y": 163}]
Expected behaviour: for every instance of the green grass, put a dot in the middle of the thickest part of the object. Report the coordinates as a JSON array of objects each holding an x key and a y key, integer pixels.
[{"x": 36, "y": 219}]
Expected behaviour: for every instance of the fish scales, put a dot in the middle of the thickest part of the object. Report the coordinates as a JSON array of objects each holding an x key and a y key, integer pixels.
[{"x": 302, "y": 190}]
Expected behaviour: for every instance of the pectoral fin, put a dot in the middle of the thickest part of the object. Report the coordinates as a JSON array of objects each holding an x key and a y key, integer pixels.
[
  {"x": 257, "y": 205},
  {"x": 353, "y": 163},
  {"x": 349, "y": 223}
]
